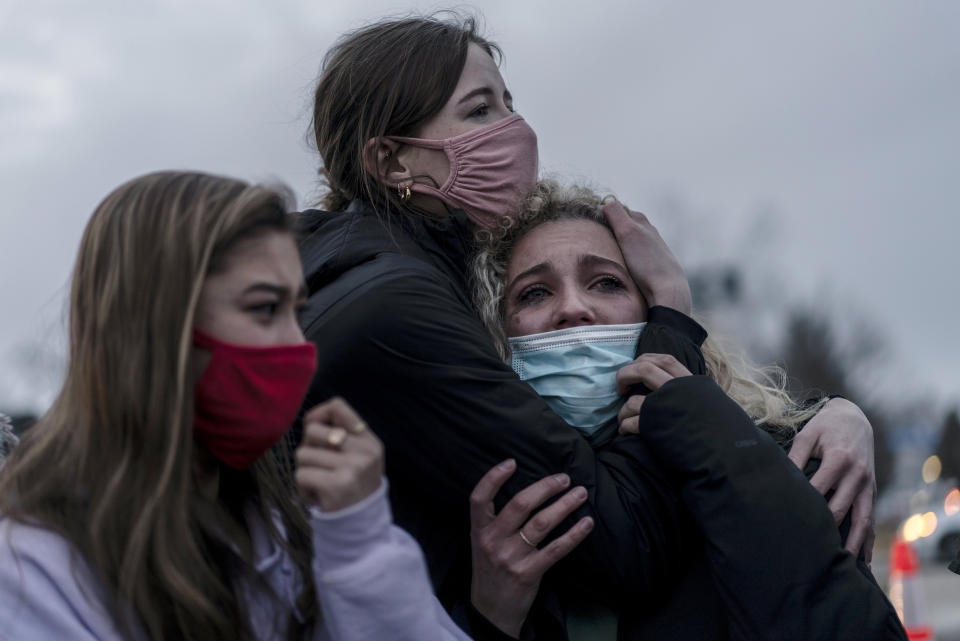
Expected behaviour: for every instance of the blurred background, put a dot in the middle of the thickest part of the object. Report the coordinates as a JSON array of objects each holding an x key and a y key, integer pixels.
[{"x": 801, "y": 159}]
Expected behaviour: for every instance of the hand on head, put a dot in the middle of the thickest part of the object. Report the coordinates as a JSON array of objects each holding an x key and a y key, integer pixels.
[{"x": 652, "y": 265}]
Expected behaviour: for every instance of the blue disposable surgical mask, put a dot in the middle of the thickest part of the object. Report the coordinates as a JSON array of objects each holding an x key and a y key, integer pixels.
[{"x": 575, "y": 370}]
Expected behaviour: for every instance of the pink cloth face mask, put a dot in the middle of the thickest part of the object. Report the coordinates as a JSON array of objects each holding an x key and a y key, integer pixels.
[{"x": 491, "y": 169}]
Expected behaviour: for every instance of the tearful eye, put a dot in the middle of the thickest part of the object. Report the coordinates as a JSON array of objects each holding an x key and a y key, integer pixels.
[{"x": 532, "y": 295}]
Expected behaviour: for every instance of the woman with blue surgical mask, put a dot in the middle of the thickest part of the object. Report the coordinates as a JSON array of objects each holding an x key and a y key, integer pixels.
[
  {"x": 574, "y": 317},
  {"x": 556, "y": 294}
]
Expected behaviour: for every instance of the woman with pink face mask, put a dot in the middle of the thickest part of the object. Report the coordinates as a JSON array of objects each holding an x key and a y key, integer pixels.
[
  {"x": 156, "y": 499},
  {"x": 421, "y": 147}
]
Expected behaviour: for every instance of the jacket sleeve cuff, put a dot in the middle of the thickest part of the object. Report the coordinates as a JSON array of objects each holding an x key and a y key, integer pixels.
[
  {"x": 679, "y": 322},
  {"x": 480, "y": 628},
  {"x": 344, "y": 536},
  {"x": 671, "y": 332}
]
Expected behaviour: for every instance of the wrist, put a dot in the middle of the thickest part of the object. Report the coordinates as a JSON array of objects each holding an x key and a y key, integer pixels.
[
  {"x": 674, "y": 295},
  {"x": 508, "y": 623},
  {"x": 847, "y": 407}
]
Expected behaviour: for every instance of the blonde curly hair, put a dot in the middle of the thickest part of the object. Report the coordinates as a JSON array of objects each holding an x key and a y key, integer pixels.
[{"x": 760, "y": 391}]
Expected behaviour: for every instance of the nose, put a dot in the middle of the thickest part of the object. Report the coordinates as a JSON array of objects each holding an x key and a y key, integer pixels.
[
  {"x": 290, "y": 333},
  {"x": 573, "y": 310}
]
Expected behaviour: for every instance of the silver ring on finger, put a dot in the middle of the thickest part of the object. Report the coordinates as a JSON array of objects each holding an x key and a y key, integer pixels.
[
  {"x": 524, "y": 538},
  {"x": 359, "y": 428}
]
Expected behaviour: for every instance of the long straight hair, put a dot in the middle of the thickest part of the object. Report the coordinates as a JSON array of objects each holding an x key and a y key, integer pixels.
[
  {"x": 110, "y": 467},
  {"x": 760, "y": 391}
]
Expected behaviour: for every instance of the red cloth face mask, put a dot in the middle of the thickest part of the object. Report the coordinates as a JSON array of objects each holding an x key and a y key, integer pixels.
[
  {"x": 491, "y": 169},
  {"x": 247, "y": 397}
]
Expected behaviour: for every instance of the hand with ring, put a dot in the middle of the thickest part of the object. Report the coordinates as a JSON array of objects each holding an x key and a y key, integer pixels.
[
  {"x": 340, "y": 460},
  {"x": 508, "y": 560}
]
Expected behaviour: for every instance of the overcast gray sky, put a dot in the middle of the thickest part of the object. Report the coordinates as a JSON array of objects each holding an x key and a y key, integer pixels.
[{"x": 841, "y": 118}]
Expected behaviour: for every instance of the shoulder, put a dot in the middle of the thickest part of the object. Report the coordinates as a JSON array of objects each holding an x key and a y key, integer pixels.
[
  {"x": 390, "y": 294},
  {"x": 332, "y": 243},
  {"x": 358, "y": 263},
  {"x": 36, "y": 548},
  {"x": 46, "y": 589}
]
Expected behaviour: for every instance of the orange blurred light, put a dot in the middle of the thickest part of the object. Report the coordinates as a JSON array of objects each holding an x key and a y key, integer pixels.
[
  {"x": 912, "y": 528},
  {"x": 951, "y": 504},
  {"x": 931, "y": 469}
]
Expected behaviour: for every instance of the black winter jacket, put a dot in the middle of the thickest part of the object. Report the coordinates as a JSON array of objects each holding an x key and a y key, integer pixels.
[
  {"x": 760, "y": 532},
  {"x": 397, "y": 337}
]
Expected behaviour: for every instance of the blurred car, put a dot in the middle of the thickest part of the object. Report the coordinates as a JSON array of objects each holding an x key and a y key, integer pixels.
[{"x": 936, "y": 534}]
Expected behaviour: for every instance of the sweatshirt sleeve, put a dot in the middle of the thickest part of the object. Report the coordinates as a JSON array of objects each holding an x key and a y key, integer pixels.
[
  {"x": 773, "y": 548},
  {"x": 371, "y": 577},
  {"x": 416, "y": 363},
  {"x": 44, "y": 594}
]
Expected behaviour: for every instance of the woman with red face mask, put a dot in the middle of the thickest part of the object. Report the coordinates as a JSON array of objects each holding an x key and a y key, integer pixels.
[
  {"x": 421, "y": 146},
  {"x": 156, "y": 499}
]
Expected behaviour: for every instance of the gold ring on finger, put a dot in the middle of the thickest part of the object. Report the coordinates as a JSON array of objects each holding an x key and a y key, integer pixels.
[
  {"x": 336, "y": 437},
  {"x": 526, "y": 540},
  {"x": 359, "y": 428}
]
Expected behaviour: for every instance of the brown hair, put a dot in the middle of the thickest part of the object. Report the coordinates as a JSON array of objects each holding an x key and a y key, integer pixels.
[
  {"x": 110, "y": 467},
  {"x": 760, "y": 391},
  {"x": 383, "y": 79}
]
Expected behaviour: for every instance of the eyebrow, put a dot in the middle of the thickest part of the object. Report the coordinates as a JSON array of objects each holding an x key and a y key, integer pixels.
[
  {"x": 479, "y": 91},
  {"x": 485, "y": 91},
  {"x": 536, "y": 270},
  {"x": 592, "y": 260},
  {"x": 278, "y": 290}
]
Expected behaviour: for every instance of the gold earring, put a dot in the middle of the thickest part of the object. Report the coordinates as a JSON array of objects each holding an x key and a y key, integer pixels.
[{"x": 403, "y": 193}]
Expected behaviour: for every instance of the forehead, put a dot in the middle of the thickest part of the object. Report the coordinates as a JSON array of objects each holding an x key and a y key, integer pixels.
[
  {"x": 268, "y": 255},
  {"x": 478, "y": 69},
  {"x": 559, "y": 240}
]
